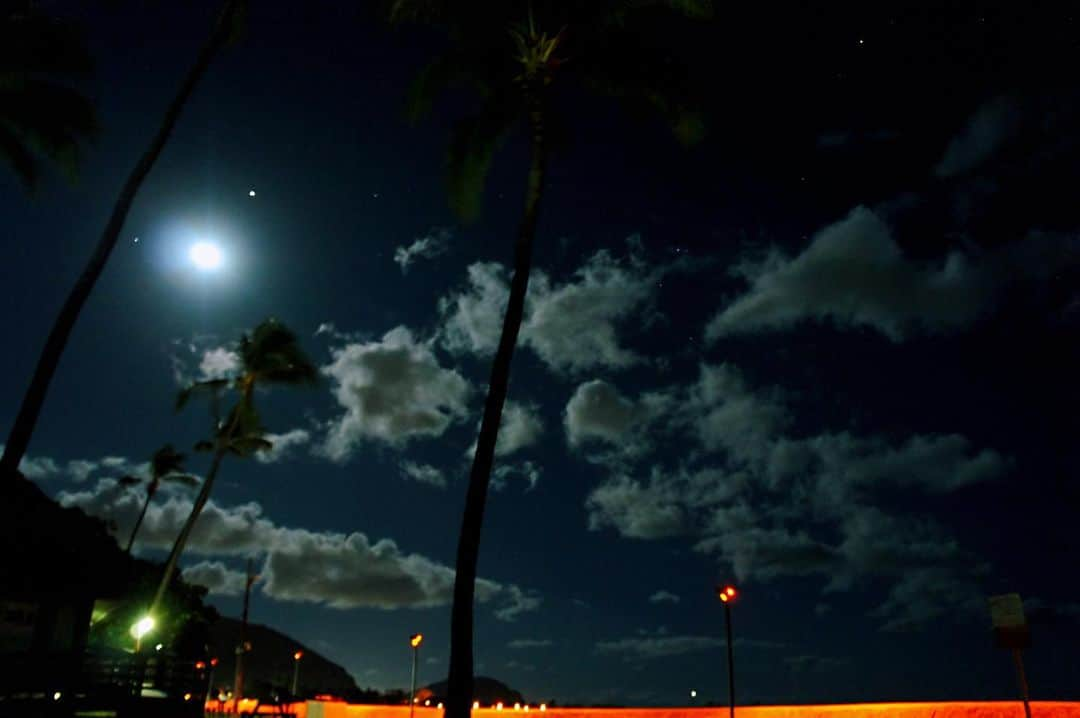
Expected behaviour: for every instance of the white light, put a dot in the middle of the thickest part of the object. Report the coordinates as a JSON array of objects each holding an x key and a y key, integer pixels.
[
  {"x": 56, "y": 696},
  {"x": 143, "y": 626},
  {"x": 251, "y": 193},
  {"x": 693, "y": 694},
  {"x": 205, "y": 256},
  {"x": 158, "y": 647}
]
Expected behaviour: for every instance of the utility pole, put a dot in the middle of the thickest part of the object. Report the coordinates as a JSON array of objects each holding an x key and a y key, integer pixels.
[
  {"x": 414, "y": 640},
  {"x": 727, "y": 595},
  {"x": 243, "y": 647}
]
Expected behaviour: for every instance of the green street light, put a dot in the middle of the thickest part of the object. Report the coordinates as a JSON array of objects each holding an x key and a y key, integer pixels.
[{"x": 140, "y": 628}]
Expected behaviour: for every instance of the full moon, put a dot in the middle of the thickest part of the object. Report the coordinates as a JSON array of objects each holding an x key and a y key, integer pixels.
[{"x": 205, "y": 256}]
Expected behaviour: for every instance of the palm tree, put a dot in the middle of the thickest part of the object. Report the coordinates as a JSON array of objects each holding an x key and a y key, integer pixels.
[
  {"x": 23, "y": 427},
  {"x": 166, "y": 466},
  {"x": 518, "y": 69},
  {"x": 270, "y": 355},
  {"x": 42, "y": 113}
]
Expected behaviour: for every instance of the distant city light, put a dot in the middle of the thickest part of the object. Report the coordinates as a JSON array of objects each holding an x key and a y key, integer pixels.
[{"x": 498, "y": 706}]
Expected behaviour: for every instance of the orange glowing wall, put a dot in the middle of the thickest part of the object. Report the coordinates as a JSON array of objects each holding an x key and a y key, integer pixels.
[{"x": 1001, "y": 709}]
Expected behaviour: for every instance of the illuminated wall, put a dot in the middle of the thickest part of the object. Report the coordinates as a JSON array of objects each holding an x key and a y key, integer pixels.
[{"x": 1001, "y": 709}]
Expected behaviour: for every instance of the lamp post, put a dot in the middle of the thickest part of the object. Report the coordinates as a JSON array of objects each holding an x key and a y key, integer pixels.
[
  {"x": 296, "y": 673},
  {"x": 414, "y": 640},
  {"x": 727, "y": 595}
]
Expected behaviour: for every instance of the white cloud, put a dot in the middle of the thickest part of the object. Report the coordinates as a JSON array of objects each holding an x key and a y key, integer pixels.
[
  {"x": 572, "y": 326},
  {"x": 283, "y": 445},
  {"x": 663, "y": 596},
  {"x": 658, "y": 646},
  {"x": 392, "y": 390},
  {"x": 597, "y": 411},
  {"x": 636, "y": 510},
  {"x": 526, "y": 470},
  {"x": 218, "y": 363},
  {"x": 854, "y": 273},
  {"x": 424, "y": 473},
  {"x": 987, "y": 129},
  {"x": 770, "y": 504},
  {"x": 519, "y": 427},
  {"x": 431, "y": 245},
  {"x": 335, "y": 569},
  {"x": 219, "y": 579},
  {"x": 530, "y": 643}
]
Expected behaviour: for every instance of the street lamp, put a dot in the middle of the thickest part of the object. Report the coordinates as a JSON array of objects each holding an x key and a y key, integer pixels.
[
  {"x": 296, "y": 673},
  {"x": 414, "y": 640},
  {"x": 140, "y": 628},
  {"x": 727, "y": 596}
]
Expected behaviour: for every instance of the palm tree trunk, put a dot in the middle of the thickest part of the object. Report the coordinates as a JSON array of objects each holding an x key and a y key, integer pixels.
[
  {"x": 185, "y": 532},
  {"x": 26, "y": 420},
  {"x": 150, "y": 490},
  {"x": 460, "y": 681}
]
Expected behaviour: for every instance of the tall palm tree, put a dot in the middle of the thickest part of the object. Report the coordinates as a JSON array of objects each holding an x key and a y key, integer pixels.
[
  {"x": 520, "y": 58},
  {"x": 42, "y": 111},
  {"x": 23, "y": 427},
  {"x": 270, "y": 355},
  {"x": 166, "y": 466}
]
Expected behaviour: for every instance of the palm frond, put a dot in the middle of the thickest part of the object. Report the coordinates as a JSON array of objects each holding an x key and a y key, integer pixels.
[
  {"x": 473, "y": 143},
  {"x": 212, "y": 387},
  {"x": 185, "y": 479},
  {"x": 248, "y": 445},
  {"x": 272, "y": 353},
  {"x": 166, "y": 460}
]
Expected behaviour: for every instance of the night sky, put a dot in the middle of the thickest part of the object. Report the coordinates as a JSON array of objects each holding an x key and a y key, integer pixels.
[{"x": 829, "y": 354}]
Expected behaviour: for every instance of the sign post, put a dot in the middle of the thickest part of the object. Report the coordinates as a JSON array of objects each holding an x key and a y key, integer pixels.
[{"x": 1011, "y": 632}]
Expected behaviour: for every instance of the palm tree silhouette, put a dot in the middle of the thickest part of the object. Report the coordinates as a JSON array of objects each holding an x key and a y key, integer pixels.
[
  {"x": 22, "y": 428},
  {"x": 270, "y": 355},
  {"x": 42, "y": 112},
  {"x": 519, "y": 59},
  {"x": 166, "y": 466}
]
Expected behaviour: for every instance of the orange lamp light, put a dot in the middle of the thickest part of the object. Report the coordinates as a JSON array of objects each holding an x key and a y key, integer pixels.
[
  {"x": 298, "y": 655},
  {"x": 416, "y": 639}
]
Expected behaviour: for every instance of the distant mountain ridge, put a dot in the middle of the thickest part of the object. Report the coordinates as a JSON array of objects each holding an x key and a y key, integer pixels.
[{"x": 269, "y": 665}]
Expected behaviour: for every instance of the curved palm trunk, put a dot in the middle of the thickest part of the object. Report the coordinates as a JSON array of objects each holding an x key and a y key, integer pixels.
[
  {"x": 26, "y": 420},
  {"x": 460, "y": 681},
  {"x": 150, "y": 491},
  {"x": 185, "y": 532}
]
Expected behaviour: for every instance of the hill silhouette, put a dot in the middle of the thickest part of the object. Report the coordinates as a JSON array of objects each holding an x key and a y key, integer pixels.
[
  {"x": 487, "y": 691},
  {"x": 269, "y": 665}
]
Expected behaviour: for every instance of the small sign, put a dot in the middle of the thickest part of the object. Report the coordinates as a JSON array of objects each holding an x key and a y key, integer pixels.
[
  {"x": 1007, "y": 611},
  {"x": 1010, "y": 626}
]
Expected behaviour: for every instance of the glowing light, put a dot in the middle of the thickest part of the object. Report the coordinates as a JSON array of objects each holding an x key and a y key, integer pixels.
[
  {"x": 199, "y": 665},
  {"x": 213, "y": 661},
  {"x": 416, "y": 639},
  {"x": 693, "y": 693},
  {"x": 206, "y": 256},
  {"x": 439, "y": 706},
  {"x": 498, "y": 706},
  {"x": 143, "y": 626},
  {"x": 427, "y": 702},
  {"x": 56, "y": 696},
  {"x": 724, "y": 597},
  {"x": 476, "y": 704},
  {"x": 158, "y": 647},
  {"x": 543, "y": 706},
  {"x": 298, "y": 655},
  {"x": 517, "y": 706},
  {"x": 187, "y": 696},
  {"x": 251, "y": 193},
  {"x": 730, "y": 590}
]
